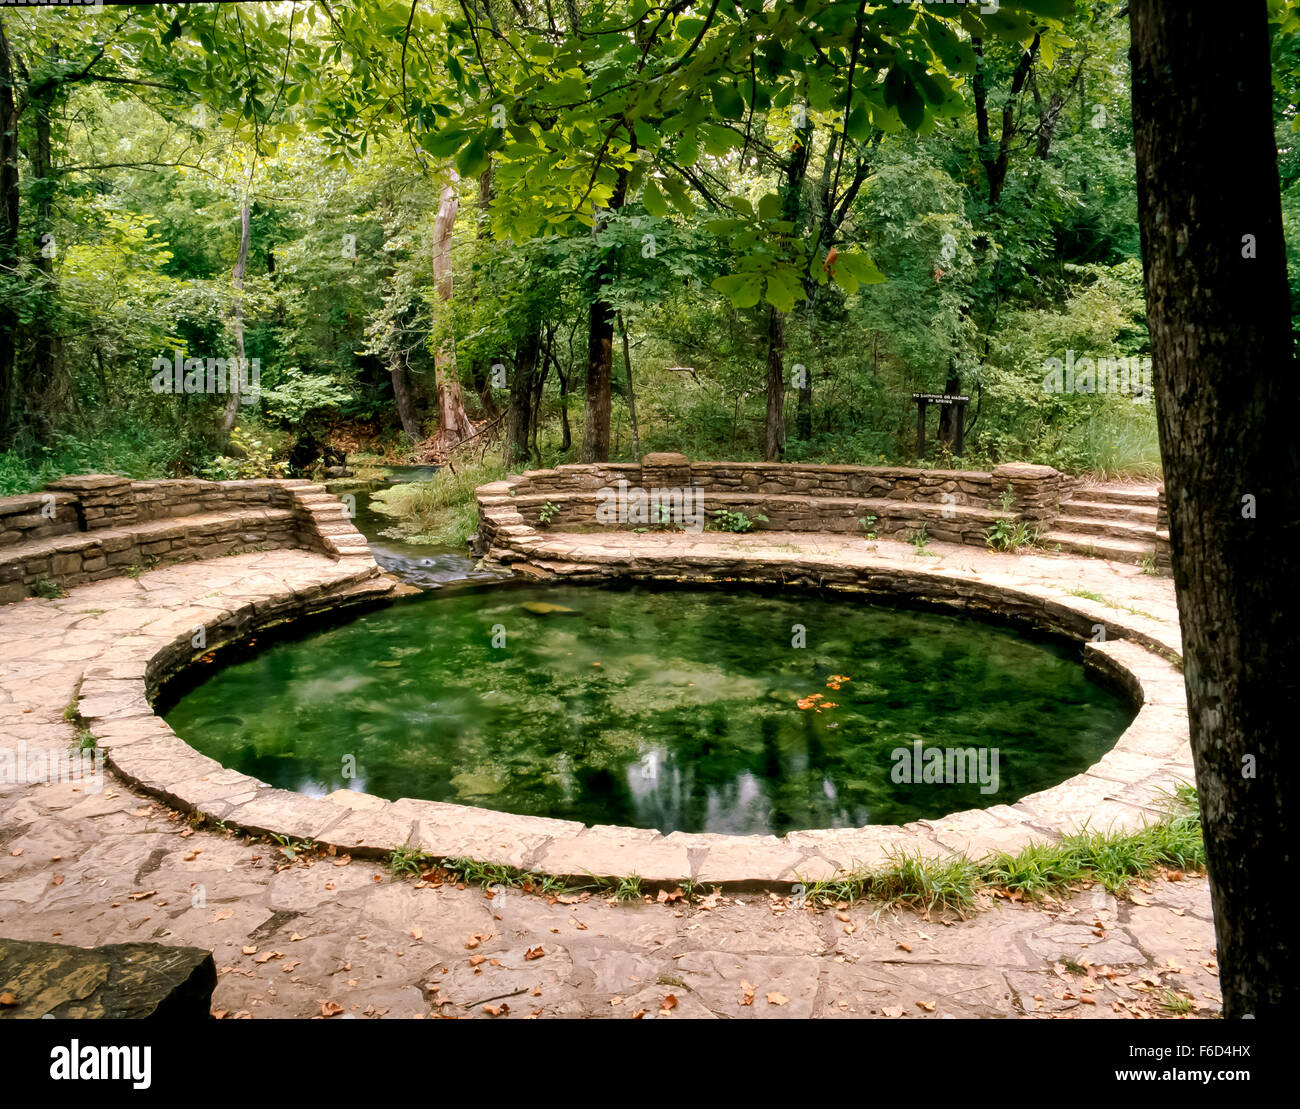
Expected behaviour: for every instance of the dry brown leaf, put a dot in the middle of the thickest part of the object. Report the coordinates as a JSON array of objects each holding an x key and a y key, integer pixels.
[
  {"x": 330, "y": 1008},
  {"x": 775, "y": 998},
  {"x": 496, "y": 1010},
  {"x": 7, "y": 1000},
  {"x": 669, "y": 1002},
  {"x": 534, "y": 953},
  {"x": 928, "y": 1006}
]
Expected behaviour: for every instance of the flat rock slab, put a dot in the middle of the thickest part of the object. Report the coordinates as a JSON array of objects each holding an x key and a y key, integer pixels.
[{"x": 119, "y": 980}]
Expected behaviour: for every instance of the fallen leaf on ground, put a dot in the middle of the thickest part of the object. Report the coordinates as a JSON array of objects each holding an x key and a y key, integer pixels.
[
  {"x": 775, "y": 998},
  {"x": 330, "y": 1008}
]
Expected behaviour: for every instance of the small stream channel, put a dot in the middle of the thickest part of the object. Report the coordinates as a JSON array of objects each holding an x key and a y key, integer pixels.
[{"x": 425, "y": 565}]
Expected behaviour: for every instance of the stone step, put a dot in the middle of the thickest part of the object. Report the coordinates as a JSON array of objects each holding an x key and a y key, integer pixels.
[
  {"x": 1109, "y": 529},
  {"x": 1116, "y": 494},
  {"x": 114, "y": 982},
  {"x": 1093, "y": 546},
  {"x": 1120, "y": 513}
]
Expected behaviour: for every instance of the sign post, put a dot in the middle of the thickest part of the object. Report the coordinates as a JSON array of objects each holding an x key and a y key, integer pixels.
[{"x": 959, "y": 419}]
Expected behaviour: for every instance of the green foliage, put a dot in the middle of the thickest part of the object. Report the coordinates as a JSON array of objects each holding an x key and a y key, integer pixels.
[
  {"x": 256, "y": 458},
  {"x": 443, "y": 510},
  {"x": 547, "y": 513},
  {"x": 734, "y": 521},
  {"x": 1009, "y": 535}
]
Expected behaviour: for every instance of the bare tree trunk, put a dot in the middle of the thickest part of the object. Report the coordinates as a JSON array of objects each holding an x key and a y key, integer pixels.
[
  {"x": 480, "y": 372},
  {"x": 520, "y": 409},
  {"x": 774, "y": 425},
  {"x": 237, "y": 312},
  {"x": 454, "y": 425},
  {"x": 45, "y": 385},
  {"x": 796, "y": 170},
  {"x": 566, "y": 442},
  {"x": 403, "y": 396},
  {"x": 8, "y": 235},
  {"x": 631, "y": 391},
  {"x": 600, "y": 352},
  {"x": 1209, "y": 209}
]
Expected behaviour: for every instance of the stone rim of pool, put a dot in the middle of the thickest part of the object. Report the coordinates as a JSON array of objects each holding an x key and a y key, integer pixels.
[{"x": 1125, "y": 788}]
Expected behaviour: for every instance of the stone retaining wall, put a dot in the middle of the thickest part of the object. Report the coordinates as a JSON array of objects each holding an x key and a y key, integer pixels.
[
  {"x": 954, "y": 506},
  {"x": 94, "y": 526}
]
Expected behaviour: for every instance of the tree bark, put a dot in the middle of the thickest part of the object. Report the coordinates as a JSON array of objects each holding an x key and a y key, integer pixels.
[
  {"x": 8, "y": 235},
  {"x": 774, "y": 424},
  {"x": 631, "y": 391},
  {"x": 796, "y": 169},
  {"x": 231, "y": 409},
  {"x": 1217, "y": 304},
  {"x": 454, "y": 426},
  {"x": 480, "y": 371},
  {"x": 600, "y": 351},
  {"x": 520, "y": 409},
  {"x": 44, "y": 386}
]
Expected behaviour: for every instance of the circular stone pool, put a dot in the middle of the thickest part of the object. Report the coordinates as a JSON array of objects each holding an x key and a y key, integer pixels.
[{"x": 680, "y": 709}]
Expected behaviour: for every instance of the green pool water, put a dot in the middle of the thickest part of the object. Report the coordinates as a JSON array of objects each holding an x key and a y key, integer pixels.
[{"x": 668, "y": 709}]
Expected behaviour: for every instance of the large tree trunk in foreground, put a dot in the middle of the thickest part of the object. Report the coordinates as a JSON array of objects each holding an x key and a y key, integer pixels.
[
  {"x": 1226, "y": 395},
  {"x": 454, "y": 426}
]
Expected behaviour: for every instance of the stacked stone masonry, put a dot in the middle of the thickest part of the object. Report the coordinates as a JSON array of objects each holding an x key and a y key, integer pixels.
[
  {"x": 95, "y": 526},
  {"x": 953, "y": 506}
]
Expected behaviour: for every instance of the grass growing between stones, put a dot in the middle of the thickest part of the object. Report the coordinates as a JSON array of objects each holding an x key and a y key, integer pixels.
[{"x": 1112, "y": 860}]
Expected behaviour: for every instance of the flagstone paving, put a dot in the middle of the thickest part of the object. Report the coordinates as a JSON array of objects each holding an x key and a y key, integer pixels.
[{"x": 336, "y": 935}]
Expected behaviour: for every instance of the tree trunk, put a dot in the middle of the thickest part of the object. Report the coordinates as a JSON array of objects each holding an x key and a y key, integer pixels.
[
  {"x": 600, "y": 351},
  {"x": 631, "y": 392},
  {"x": 44, "y": 386},
  {"x": 454, "y": 426},
  {"x": 403, "y": 396},
  {"x": 774, "y": 425},
  {"x": 796, "y": 170},
  {"x": 237, "y": 313},
  {"x": 8, "y": 236},
  {"x": 520, "y": 409},
  {"x": 480, "y": 372},
  {"x": 1217, "y": 306},
  {"x": 566, "y": 442}
]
